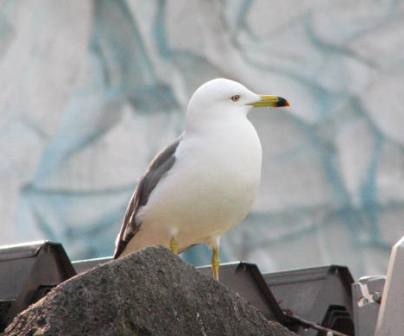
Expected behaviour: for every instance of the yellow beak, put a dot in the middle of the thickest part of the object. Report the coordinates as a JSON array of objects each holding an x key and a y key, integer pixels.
[{"x": 273, "y": 101}]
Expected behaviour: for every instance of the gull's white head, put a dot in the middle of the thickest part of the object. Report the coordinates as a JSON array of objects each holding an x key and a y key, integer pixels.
[{"x": 224, "y": 98}]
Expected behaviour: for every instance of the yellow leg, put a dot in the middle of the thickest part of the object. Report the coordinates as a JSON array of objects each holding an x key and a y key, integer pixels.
[
  {"x": 215, "y": 262},
  {"x": 174, "y": 245}
]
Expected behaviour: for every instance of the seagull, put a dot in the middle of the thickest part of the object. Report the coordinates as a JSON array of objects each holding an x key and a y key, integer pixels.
[{"x": 206, "y": 181}]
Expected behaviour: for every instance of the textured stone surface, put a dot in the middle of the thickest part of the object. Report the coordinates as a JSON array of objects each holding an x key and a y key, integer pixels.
[
  {"x": 149, "y": 293},
  {"x": 90, "y": 90}
]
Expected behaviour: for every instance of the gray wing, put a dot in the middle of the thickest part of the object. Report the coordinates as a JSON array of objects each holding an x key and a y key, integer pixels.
[{"x": 158, "y": 167}]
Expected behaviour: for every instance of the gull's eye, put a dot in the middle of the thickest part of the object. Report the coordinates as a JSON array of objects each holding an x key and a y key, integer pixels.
[{"x": 235, "y": 98}]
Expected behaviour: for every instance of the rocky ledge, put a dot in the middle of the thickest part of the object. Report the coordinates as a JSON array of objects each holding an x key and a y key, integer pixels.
[{"x": 151, "y": 292}]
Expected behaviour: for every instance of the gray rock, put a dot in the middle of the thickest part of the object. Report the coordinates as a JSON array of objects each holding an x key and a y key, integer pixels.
[{"x": 147, "y": 293}]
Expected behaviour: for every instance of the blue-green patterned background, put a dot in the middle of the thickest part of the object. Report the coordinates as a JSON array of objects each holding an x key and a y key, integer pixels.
[{"x": 90, "y": 90}]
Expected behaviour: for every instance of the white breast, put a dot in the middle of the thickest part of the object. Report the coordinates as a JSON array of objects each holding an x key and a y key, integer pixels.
[{"x": 211, "y": 186}]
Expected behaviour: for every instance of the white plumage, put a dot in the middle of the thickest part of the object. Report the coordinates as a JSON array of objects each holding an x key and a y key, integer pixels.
[{"x": 213, "y": 180}]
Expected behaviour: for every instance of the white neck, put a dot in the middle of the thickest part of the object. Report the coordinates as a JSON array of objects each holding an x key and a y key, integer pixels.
[{"x": 218, "y": 118}]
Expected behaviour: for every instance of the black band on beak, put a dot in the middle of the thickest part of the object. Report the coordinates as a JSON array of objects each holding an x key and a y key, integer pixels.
[{"x": 282, "y": 102}]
